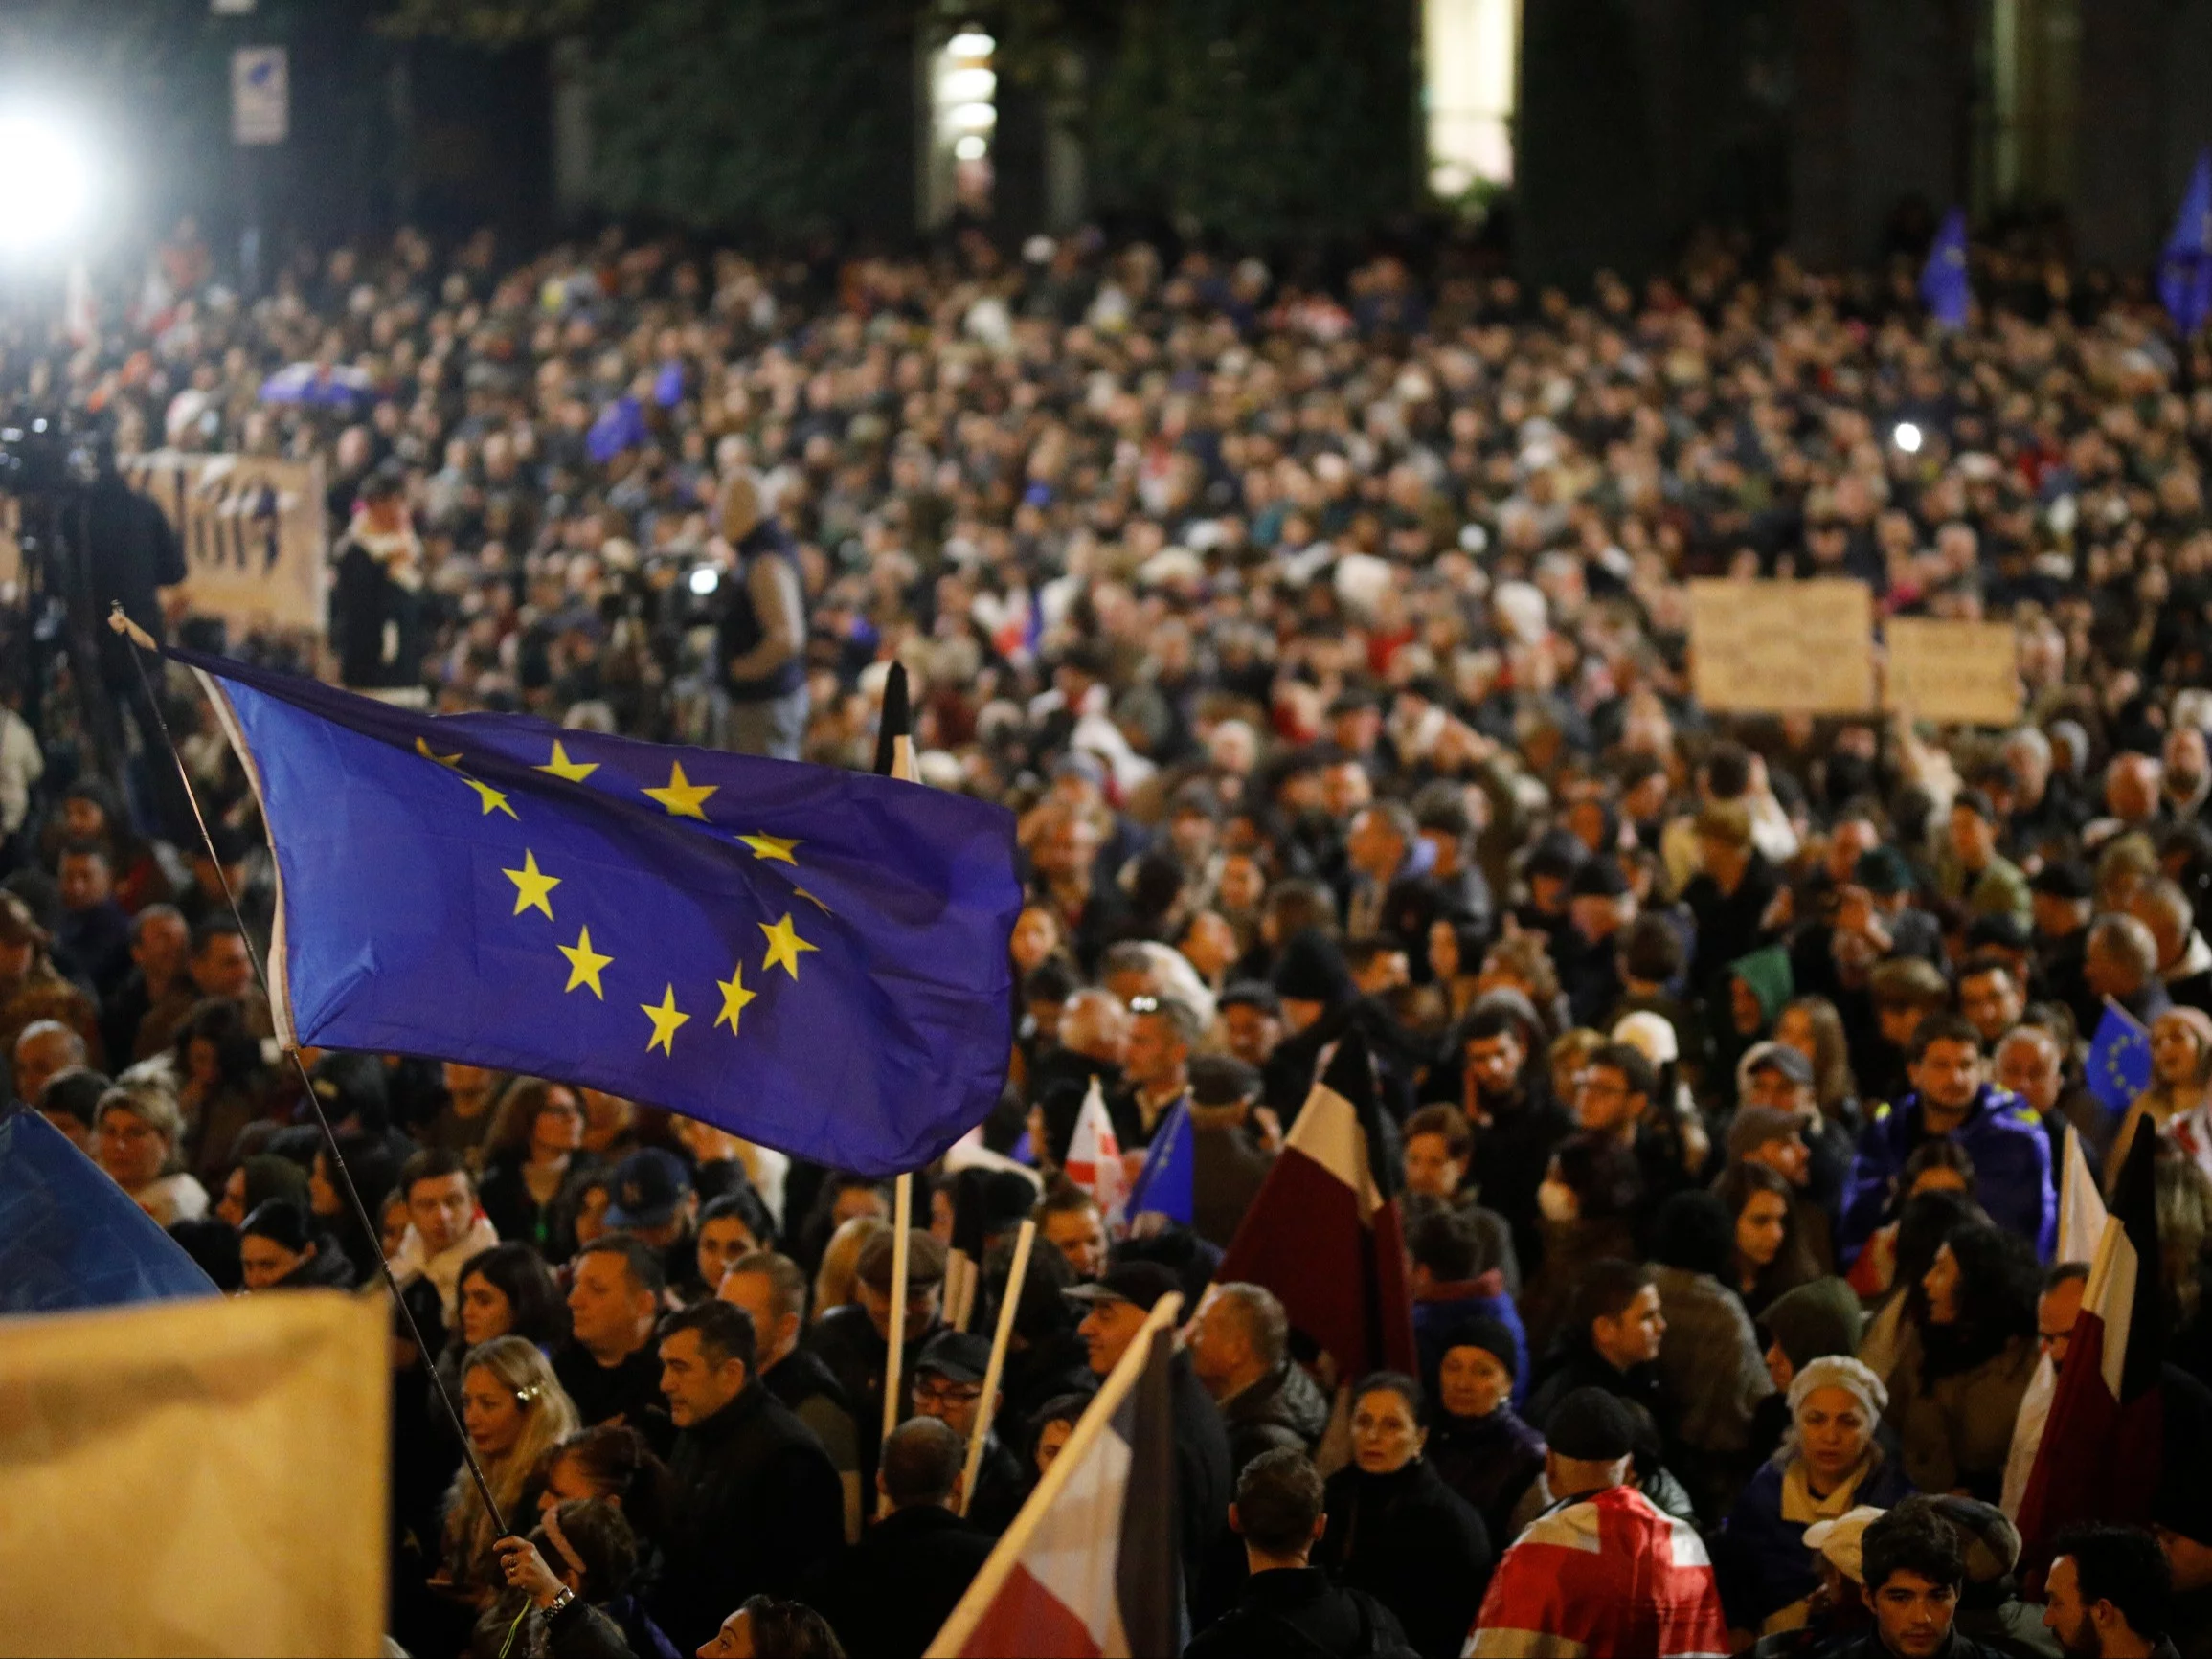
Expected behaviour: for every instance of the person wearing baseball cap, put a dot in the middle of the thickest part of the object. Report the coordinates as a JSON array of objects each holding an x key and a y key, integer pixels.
[
  {"x": 1601, "y": 1571},
  {"x": 1114, "y": 1309}
]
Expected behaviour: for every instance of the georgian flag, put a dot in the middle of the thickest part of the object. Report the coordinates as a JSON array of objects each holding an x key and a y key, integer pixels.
[
  {"x": 1094, "y": 1160},
  {"x": 2104, "y": 1437}
]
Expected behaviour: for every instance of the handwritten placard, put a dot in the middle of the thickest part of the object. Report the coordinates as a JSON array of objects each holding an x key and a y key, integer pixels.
[
  {"x": 1960, "y": 673},
  {"x": 1782, "y": 647}
]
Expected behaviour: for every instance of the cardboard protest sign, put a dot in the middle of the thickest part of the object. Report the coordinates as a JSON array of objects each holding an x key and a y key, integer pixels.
[
  {"x": 1963, "y": 673},
  {"x": 1782, "y": 647}
]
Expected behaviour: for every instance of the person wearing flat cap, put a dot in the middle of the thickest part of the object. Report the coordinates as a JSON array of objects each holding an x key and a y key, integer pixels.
[
  {"x": 1601, "y": 1571},
  {"x": 855, "y": 1341},
  {"x": 1114, "y": 1309}
]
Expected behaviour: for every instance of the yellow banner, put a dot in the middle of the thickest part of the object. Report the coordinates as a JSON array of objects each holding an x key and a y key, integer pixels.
[
  {"x": 196, "y": 1477},
  {"x": 1963, "y": 673},
  {"x": 1782, "y": 647}
]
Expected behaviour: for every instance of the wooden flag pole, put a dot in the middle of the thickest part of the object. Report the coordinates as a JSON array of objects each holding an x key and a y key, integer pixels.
[
  {"x": 902, "y": 1225},
  {"x": 1096, "y": 1420},
  {"x": 1001, "y": 1339}
]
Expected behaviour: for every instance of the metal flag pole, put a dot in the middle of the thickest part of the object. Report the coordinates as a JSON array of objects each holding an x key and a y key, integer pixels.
[{"x": 139, "y": 637}]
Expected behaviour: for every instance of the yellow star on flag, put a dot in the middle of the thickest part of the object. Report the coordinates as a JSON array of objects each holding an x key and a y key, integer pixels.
[
  {"x": 531, "y": 886},
  {"x": 565, "y": 769},
  {"x": 783, "y": 945},
  {"x": 682, "y": 797},
  {"x": 735, "y": 996},
  {"x": 493, "y": 800},
  {"x": 584, "y": 964},
  {"x": 770, "y": 847},
  {"x": 665, "y": 1019},
  {"x": 422, "y": 748}
]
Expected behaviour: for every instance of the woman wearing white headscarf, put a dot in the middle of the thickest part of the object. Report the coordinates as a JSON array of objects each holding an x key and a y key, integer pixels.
[{"x": 1829, "y": 1463}]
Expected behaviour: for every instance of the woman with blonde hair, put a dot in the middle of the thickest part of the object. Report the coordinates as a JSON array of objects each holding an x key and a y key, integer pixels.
[
  {"x": 515, "y": 1412},
  {"x": 841, "y": 1262},
  {"x": 136, "y": 1130},
  {"x": 2177, "y": 1103}
]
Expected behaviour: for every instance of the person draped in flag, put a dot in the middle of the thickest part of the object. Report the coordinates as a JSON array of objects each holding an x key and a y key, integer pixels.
[{"x": 1601, "y": 1571}]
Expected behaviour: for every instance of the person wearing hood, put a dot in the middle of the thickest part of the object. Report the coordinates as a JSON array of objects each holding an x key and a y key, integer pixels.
[
  {"x": 1990, "y": 1608},
  {"x": 1952, "y": 1100},
  {"x": 1812, "y": 1322},
  {"x": 1710, "y": 1372},
  {"x": 1759, "y": 987},
  {"x": 1829, "y": 1463},
  {"x": 1483, "y": 1449},
  {"x": 1397, "y": 1531},
  {"x": 281, "y": 1249}
]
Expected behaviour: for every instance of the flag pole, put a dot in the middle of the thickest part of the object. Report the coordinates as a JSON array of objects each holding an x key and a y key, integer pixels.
[
  {"x": 894, "y": 1361},
  {"x": 139, "y": 637},
  {"x": 1001, "y": 1341},
  {"x": 894, "y": 758},
  {"x": 1096, "y": 1419}
]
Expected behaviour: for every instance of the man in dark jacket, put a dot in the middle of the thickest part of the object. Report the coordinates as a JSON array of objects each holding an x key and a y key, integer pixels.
[
  {"x": 890, "y": 1596},
  {"x": 609, "y": 1366},
  {"x": 773, "y": 1292},
  {"x": 1287, "y": 1607},
  {"x": 757, "y": 1507},
  {"x": 1118, "y": 1305},
  {"x": 1914, "y": 1573},
  {"x": 1613, "y": 1343},
  {"x": 1239, "y": 1350},
  {"x": 948, "y": 1386},
  {"x": 855, "y": 1341},
  {"x": 1518, "y": 1125}
]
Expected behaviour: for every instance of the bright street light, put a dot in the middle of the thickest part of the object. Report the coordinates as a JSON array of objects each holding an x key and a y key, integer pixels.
[
  {"x": 46, "y": 181},
  {"x": 1908, "y": 438}
]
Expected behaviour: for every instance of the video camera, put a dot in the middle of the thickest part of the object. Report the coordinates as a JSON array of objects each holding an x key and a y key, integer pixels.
[{"x": 43, "y": 453}]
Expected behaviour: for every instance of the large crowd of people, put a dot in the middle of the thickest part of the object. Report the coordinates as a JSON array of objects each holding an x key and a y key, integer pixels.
[{"x": 1329, "y": 640}]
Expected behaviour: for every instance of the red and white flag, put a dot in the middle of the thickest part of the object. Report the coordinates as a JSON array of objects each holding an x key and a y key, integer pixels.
[
  {"x": 2104, "y": 1441},
  {"x": 1094, "y": 1160},
  {"x": 1611, "y": 1575},
  {"x": 1320, "y": 1234},
  {"x": 1089, "y": 1568},
  {"x": 2081, "y": 1224}
]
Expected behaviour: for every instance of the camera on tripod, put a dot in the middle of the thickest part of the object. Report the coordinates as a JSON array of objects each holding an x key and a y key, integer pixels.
[{"x": 44, "y": 455}]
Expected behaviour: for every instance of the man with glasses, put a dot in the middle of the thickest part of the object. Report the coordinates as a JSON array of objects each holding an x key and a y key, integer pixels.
[{"x": 948, "y": 1385}]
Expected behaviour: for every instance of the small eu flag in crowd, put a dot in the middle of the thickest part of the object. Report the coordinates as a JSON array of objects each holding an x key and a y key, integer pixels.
[
  {"x": 1943, "y": 288},
  {"x": 813, "y": 959},
  {"x": 2185, "y": 267},
  {"x": 2119, "y": 1066},
  {"x": 1166, "y": 1184}
]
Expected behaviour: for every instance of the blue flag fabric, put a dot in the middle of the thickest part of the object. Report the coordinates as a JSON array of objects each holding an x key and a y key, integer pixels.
[
  {"x": 813, "y": 959},
  {"x": 621, "y": 425},
  {"x": 1166, "y": 1183},
  {"x": 2119, "y": 1066},
  {"x": 2185, "y": 267},
  {"x": 70, "y": 1238},
  {"x": 1943, "y": 288}
]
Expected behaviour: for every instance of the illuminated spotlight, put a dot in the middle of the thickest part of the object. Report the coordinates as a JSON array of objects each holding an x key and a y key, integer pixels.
[
  {"x": 970, "y": 86},
  {"x": 971, "y": 148},
  {"x": 975, "y": 117},
  {"x": 704, "y": 580},
  {"x": 971, "y": 43},
  {"x": 1907, "y": 437},
  {"x": 46, "y": 181}
]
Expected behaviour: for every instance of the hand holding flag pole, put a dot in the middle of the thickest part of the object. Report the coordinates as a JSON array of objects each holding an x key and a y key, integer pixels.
[{"x": 138, "y": 636}]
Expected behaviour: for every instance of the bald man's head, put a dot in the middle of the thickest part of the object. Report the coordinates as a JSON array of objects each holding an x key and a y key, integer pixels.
[
  {"x": 2121, "y": 956},
  {"x": 2163, "y": 908}
]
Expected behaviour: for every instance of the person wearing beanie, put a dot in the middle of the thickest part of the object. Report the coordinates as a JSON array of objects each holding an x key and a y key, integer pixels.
[
  {"x": 1480, "y": 1444},
  {"x": 1830, "y": 1464},
  {"x": 1602, "y": 1571},
  {"x": 281, "y": 1249}
]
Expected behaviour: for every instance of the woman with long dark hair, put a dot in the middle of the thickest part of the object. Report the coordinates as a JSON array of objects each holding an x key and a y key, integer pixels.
[
  {"x": 529, "y": 1156},
  {"x": 1770, "y": 1254},
  {"x": 1965, "y": 1358}
]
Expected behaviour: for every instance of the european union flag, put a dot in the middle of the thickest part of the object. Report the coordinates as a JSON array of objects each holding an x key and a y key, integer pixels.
[
  {"x": 1165, "y": 1184},
  {"x": 813, "y": 959},
  {"x": 2119, "y": 1066},
  {"x": 2185, "y": 267},
  {"x": 1943, "y": 288},
  {"x": 71, "y": 1238}
]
